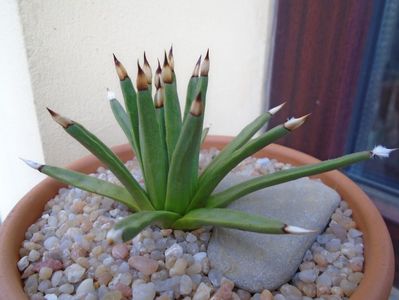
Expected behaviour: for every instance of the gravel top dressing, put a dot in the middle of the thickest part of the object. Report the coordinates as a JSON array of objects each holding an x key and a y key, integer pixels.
[{"x": 65, "y": 254}]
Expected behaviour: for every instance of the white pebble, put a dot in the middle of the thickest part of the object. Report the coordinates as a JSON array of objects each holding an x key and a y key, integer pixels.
[
  {"x": 23, "y": 263},
  {"x": 179, "y": 268},
  {"x": 74, "y": 273},
  {"x": 186, "y": 285},
  {"x": 203, "y": 292},
  {"x": 354, "y": 233},
  {"x": 191, "y": 238},
  {"x": 85, "y": 287},
  {"x": 333, "y": 245},
  {"x": 45, "y": 273},
  {"x": 34, "y": 255},
  {"x": 290, "y": 292},
  {"x": 307, "y": 276},
  {"x": 56, "y": 278},
  {"x": 175, "y": 250},
  {"x": 347, "y": 287},
  {"x": 145, "y": 291},
  {"x": 52, "y": 221},
  {"x": 198, "y": 257},
  {"x": 51, "y": 242},
  {"x": 66, "y": 288},
  {"x": 51, "y": 297}
]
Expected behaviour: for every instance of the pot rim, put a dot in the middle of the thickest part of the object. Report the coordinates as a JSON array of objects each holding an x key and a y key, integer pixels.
[{"x": 379, "y": 257}]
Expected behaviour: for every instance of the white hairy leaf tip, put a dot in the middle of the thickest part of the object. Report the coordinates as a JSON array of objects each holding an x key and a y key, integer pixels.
[
  {"x": 110, "y": 95},
  {"x": 31, "y": 163},
  {"x": 381, "y": 151},
  {"x": 297, "y": 230},
  {"x": 115, "y": 236}
]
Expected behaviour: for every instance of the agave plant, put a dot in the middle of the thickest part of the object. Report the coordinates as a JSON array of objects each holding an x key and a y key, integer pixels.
[{"x": 167, "y": 147}]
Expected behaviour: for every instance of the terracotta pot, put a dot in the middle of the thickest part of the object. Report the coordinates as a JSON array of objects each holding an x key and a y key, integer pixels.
[{"x": 379, "y": 259}]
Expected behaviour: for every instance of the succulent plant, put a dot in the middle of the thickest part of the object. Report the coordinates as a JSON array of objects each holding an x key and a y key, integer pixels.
[{"x": 167, "y": 147}]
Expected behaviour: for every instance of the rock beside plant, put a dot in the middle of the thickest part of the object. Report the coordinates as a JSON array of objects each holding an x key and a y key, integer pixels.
[{"x": 260, "y": 261}]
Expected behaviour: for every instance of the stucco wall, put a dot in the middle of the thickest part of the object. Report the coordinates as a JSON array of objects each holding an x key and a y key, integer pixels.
[
  {"x": 19, "y": 131},
  {"x": 70, "y": 43}
]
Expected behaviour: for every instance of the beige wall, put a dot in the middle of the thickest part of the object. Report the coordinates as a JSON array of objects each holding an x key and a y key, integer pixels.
[
  {"x": 69, "y": 46},
  {"x": 19, "y": 131}
]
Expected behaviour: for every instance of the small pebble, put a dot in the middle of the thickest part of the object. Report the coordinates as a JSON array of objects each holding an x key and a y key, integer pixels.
[
  {"x": 51, "y": 242},
  {"x": 175, "y": 250},
  {"x": 120, "y": 251},
  {"x": 34, "y": 255},
  {"x": 85, "y": 287},
  {"x": 308, "y": 276},
  {"x": 347, "y": 287},
  {"x": 202, "y": 293},
  {"x": 145, "y": 265},
  {"x": 74, "y": 273},
  {"x": 66, "y": 288},
  {"x": 144, "y": 291},
  {"x": 23, "y": 263},
  {"x": 45, "y": 273},
  {"x": 179, "y": 267},
  {"x": 186, "y": 285},
  {"x": 266, "y": 295},
  {"x": 291, "y": 292}
]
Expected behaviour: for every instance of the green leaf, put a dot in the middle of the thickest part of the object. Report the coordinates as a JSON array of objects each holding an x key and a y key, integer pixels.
[
  {"x": 191, "y": 89},
  {"x": 123, "y": 120},
  {"x": 91, "y": 184},
  {"x": 243, "y": 137},
  {"x": 183, "y": 172},
  {"x": 106, "y": 156},
  {"x": 173, "y": 122},
  {"x": 152, "y": 150},
  {"x": 224, "y": 198},
  {"x": 135, "y": 223},
  {"x": 225, "y": 217},
  {"x": 160, "y": 112},
  {"x": 204, "y": 134},
  {"x": 130, "y": 97},
  {"x": 209, "y": 182}
]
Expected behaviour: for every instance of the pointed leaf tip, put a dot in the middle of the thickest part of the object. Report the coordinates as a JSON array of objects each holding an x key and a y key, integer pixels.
[
  {"x": 297, "y": 230},
  {"x": 32, "y": 164},
  {"x": 159, "y": 102},
  {"x": 145, "y": 59},
  {"x": 171, "y": 59},
  {"x": 158, "y": 70},
  {"x": 141, "y": 82},
  {"x": 116, "y": 61},
  {"x": 276, "y": 109},
  {"x": 294, "y": 123},
  {"x": 63, "y": 121},
  {"x": 205, "y": 65},
  {"x": 196, "y": 70},
  {"x": 197, "y": 106},
  {"x": 147, "y": 70},
  {"x": 167, "y": 74},
  {"x": 110, "y": 95},
  {"x": 165, "y": 59},
  {"x": 120, "y": 69},
  {"x": 381, "y": 151},
  {"x": 114, "y": 236}
]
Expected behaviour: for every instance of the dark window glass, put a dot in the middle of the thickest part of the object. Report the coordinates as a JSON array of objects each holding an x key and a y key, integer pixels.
[{"x": 378, "y": 120}]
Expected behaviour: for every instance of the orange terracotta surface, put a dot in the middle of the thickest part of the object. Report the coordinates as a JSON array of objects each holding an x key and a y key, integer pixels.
[{"x": 379, "y": 258}]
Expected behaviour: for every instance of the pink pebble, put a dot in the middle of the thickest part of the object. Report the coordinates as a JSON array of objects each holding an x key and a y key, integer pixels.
[
  {"x": 124, "y": 289},
  {"x": 53, "y": 264},
  {"x": 145, "y": 265},
  {"x": 120, "y": 251}
]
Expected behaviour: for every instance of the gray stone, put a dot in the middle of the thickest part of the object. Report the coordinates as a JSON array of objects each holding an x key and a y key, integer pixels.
[{"x": 257, "y": 261}]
